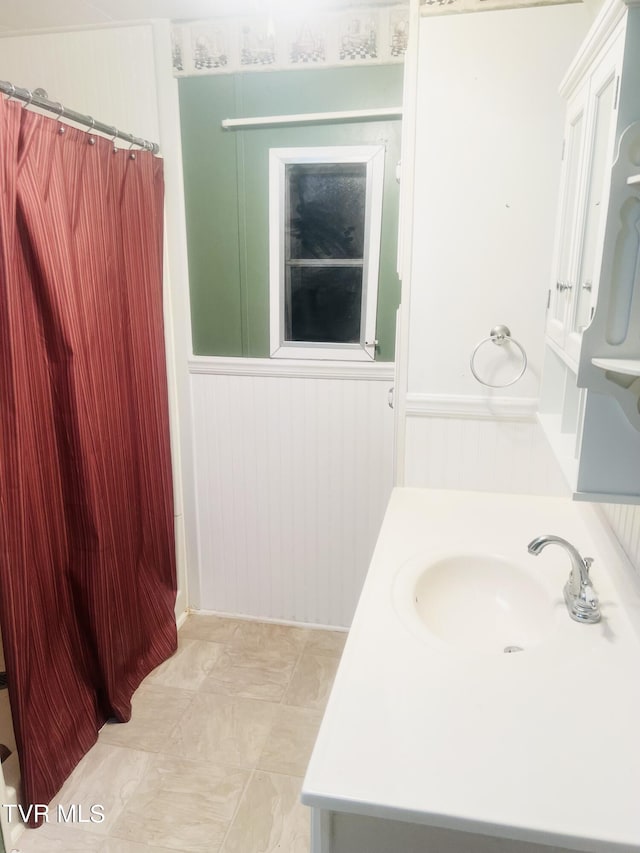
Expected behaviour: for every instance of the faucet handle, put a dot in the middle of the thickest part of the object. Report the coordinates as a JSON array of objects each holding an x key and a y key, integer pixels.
[{"x": 587, "y": 593}]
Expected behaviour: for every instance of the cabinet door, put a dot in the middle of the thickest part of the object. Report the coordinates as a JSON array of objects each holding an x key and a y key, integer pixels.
[
  {"x": 598, "y": 158},
  {"x": 560, "y": 302}
]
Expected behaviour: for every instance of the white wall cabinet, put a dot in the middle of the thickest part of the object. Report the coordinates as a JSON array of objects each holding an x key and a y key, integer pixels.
[
  {"x": 588, "y": 154},
  {"x": 589, "y": 411},
  {"x": 573, "y": 153}
]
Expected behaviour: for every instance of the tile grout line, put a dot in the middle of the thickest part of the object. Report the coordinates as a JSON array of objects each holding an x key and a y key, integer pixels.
[
  {"x": 295, "y": 666},
  {"x": 237, "y": 809}
]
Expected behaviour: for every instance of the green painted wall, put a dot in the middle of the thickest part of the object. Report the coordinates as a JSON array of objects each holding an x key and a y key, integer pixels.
[{"x": 226, "y": 191}]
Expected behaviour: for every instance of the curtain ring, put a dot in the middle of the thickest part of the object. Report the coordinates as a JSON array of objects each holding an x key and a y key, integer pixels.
[
  {"x": 92, "y": 139},
  {"x": 113, "y": 139},
  {"x": 12, "y": 92},
  {"x": 132, "y": 154},
  {"x": 61, "y": 128},
  {"x": 27, "y": 103}
]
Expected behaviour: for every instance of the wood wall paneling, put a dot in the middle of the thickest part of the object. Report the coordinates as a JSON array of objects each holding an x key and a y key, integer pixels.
[{"x": 226, "y": 191}]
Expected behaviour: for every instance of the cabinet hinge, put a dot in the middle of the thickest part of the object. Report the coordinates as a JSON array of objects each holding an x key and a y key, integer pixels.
[{"x": 615, "y": 100}]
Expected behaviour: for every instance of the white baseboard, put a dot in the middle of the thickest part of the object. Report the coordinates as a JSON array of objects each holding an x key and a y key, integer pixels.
[{"x": 245, "y": 618}]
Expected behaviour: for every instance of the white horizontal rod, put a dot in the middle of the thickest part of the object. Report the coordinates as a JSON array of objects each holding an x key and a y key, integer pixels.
[{"x": 307, "y": 118}]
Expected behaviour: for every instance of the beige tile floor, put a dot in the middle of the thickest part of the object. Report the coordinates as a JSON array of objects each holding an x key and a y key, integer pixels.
[{"x": 213, "y": 758}]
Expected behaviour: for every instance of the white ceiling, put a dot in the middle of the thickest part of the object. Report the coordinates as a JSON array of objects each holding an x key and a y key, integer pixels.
[{"x": 20, "y": 15}]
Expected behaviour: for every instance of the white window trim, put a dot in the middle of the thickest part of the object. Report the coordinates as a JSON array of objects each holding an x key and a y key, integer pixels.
[{"x": 373, "y": 157}]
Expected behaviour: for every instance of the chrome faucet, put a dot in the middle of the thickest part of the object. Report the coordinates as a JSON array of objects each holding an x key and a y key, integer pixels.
[{"x": 580, "y": 598}]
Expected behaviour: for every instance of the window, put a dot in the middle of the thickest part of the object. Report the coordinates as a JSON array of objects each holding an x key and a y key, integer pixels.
[{"x": 325, "y": 218}]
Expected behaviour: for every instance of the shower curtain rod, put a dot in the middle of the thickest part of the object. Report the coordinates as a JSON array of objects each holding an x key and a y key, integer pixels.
[{"x": 39, "y": 98}]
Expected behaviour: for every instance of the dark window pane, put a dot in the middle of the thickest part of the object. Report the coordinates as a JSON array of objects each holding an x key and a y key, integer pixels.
[
  {"x": 325, "y": 210},
  {"x": 323, "y": 304}
]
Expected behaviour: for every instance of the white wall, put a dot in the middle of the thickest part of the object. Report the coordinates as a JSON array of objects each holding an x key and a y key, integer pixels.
[
  {"x": 593, "y": 7},
  {"x": 488, "y": 137},
  {"x": 489, "y": 141},
  {"x": 107, "y": 73},
  {"x": 122, "y": 76}
]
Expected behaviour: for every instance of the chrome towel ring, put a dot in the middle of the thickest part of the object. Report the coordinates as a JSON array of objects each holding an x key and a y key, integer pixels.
[{"x": 499, "y": 336}]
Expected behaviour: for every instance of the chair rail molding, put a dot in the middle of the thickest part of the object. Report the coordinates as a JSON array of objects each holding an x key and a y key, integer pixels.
[
  {"x": 382, "y": 371},
  {"x": 485, "y": 407}
]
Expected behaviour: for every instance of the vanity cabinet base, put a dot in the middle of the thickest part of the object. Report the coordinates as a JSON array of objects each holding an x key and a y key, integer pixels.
[{"x": 340, "y": 832}]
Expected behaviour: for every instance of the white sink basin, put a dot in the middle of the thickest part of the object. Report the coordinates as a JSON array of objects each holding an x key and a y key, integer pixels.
[{"x": 474, "y": 602}]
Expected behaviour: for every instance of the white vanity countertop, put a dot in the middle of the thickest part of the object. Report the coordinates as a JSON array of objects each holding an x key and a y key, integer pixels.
[{"x": 542, "y": 745}]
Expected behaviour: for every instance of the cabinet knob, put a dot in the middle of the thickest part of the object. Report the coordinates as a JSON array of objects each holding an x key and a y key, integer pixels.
[
  {"x": 563, "y": 285},
  {"x": 587, "y": 285}
]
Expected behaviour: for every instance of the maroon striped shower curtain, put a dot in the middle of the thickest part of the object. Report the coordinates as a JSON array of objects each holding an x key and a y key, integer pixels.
[{"x": 87, "y": 566}]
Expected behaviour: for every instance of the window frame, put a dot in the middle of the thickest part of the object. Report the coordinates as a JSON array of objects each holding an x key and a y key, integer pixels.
[{"x": 373, "y": 157}]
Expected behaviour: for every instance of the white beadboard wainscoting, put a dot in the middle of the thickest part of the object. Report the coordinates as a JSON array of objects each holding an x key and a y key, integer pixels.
[
  {"x": 293, "y": 471},
  {"x": 488, "y": 443},
  {"x": 625, "y": 521},
  {"x": 493, "y": 444}
]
